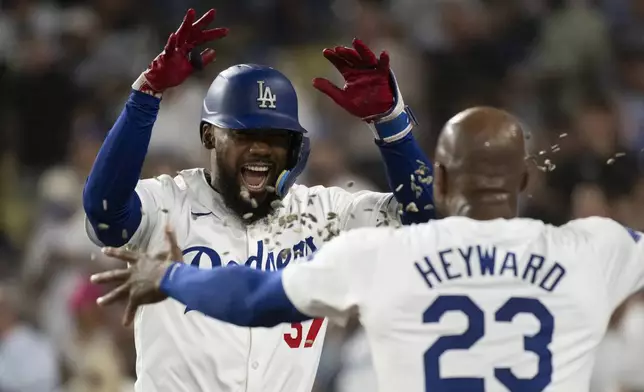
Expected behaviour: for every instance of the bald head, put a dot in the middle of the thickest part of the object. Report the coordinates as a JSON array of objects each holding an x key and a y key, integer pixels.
[{"x": 480, "y": 166}]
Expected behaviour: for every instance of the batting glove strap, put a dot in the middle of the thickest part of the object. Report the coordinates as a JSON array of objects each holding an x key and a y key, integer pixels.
[
  {"x": 397, "y": 122},
  {"x": 141, "y": 84}
]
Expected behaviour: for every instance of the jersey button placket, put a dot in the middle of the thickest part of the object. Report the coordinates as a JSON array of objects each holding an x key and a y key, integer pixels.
[{"x": 254, "y": 383}]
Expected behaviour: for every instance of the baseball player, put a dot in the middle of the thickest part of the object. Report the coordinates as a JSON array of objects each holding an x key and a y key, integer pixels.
[
  {"x": 246, "y": 208},
  {"x": 479, "y": 301}
]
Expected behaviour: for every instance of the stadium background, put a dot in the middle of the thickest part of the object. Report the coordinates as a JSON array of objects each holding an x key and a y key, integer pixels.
[{"x": 573, "y": 70}]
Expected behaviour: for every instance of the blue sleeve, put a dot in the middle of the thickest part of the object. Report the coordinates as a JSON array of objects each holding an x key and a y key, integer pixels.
[
  {"x": 109, "y": 198},
  {"x": 402, "y": 160},
  {"x": 238, "y": 295}
]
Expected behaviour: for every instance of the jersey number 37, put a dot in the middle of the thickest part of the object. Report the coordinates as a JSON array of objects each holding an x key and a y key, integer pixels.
[{"x": 537, "y": 344}]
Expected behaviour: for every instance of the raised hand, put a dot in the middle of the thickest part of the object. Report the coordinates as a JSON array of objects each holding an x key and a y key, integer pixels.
[
  {"x": 368, "y": 91},
  {"x": 179, "y": 58},
  {"x": 139, "y": 283}
]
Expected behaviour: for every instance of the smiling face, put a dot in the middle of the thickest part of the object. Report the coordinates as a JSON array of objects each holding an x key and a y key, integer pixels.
[{"x": 246, "y": 164}]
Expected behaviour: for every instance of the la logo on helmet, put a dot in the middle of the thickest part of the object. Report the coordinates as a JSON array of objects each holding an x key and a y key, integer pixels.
[{"x": 265, "y": 97}]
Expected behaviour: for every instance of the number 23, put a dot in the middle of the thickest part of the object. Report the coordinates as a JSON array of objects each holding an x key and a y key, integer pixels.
[
  {"x": 537, "y": 343},
  {"x": 294, "y": 339}
]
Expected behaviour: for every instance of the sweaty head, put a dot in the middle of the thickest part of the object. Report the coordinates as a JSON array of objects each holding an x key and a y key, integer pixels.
[
  {"x": 480, "y": 165},
  {"x": 245, "y": 166}
]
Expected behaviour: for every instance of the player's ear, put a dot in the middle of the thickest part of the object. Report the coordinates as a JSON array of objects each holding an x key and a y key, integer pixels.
[
  {"x": 440, "y": 182},
  {"x": 207, "y": 135}
]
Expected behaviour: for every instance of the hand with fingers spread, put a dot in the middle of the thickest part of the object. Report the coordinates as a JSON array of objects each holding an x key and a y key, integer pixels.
[
  {"x": 179, "y": 58},
  {"x": 139, "y": 283},
  {"x": 367, "y": 91},
  {"x": 370, "y": 91}
]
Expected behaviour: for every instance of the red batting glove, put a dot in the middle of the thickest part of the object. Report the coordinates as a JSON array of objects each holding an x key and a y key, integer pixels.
[
  {"x": 178, "y": 61},
  {"x": 367, "y": 92}
]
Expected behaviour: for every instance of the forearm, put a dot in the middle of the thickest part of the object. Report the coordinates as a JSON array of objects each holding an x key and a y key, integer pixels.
[
  {"x": 109, "y": 198},
  {"x": 403, "y": 160},
  {"x": 237, "y": 295}
]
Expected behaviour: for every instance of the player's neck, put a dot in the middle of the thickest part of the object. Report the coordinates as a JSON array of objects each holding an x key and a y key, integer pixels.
[{"x": 210, "y": 180}]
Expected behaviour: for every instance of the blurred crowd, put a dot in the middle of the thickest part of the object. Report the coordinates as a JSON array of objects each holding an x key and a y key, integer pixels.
[{"x": 572, "y": 70}]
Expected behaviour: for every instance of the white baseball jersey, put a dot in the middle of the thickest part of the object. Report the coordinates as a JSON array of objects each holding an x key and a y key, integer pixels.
[
  {"x": 465, "y": 305},
  {"x": 182, "y": 350}
]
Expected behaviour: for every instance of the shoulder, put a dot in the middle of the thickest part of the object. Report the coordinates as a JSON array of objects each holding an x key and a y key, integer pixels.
[
  {"x": 598, "y": 230},
  {"x": 594, "y": 226},
  {"x": 310, "y": 196},
  {"x": 317, "y": 190},
  {"x": 333, "y": 195},
  {"x": 184, "y": 180}
]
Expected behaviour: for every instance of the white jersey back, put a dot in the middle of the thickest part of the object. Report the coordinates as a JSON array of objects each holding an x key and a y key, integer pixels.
[
  {"x": 181, "y": 350},
  {"x": 464, "y": 305}
]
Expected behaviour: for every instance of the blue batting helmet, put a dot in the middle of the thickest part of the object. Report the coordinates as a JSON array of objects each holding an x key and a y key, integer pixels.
[{"x": 256, "y": 97}]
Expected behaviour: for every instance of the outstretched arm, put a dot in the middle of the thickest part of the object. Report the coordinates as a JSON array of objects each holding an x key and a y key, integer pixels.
[
  {"x": 332, "y": 283},
  {"x": 111, "y": 203},
  {"x": 238, "y": 295},
  {"x": 372, "y": 94}
]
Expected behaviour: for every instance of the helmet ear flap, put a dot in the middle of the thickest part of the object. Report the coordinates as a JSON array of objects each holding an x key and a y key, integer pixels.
[
  {"x": 287, "y": 178},
  {"x": 295, "y": 146}
]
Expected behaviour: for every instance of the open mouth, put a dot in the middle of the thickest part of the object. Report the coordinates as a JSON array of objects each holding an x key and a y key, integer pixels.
[{"x": 255, "y": 176}]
